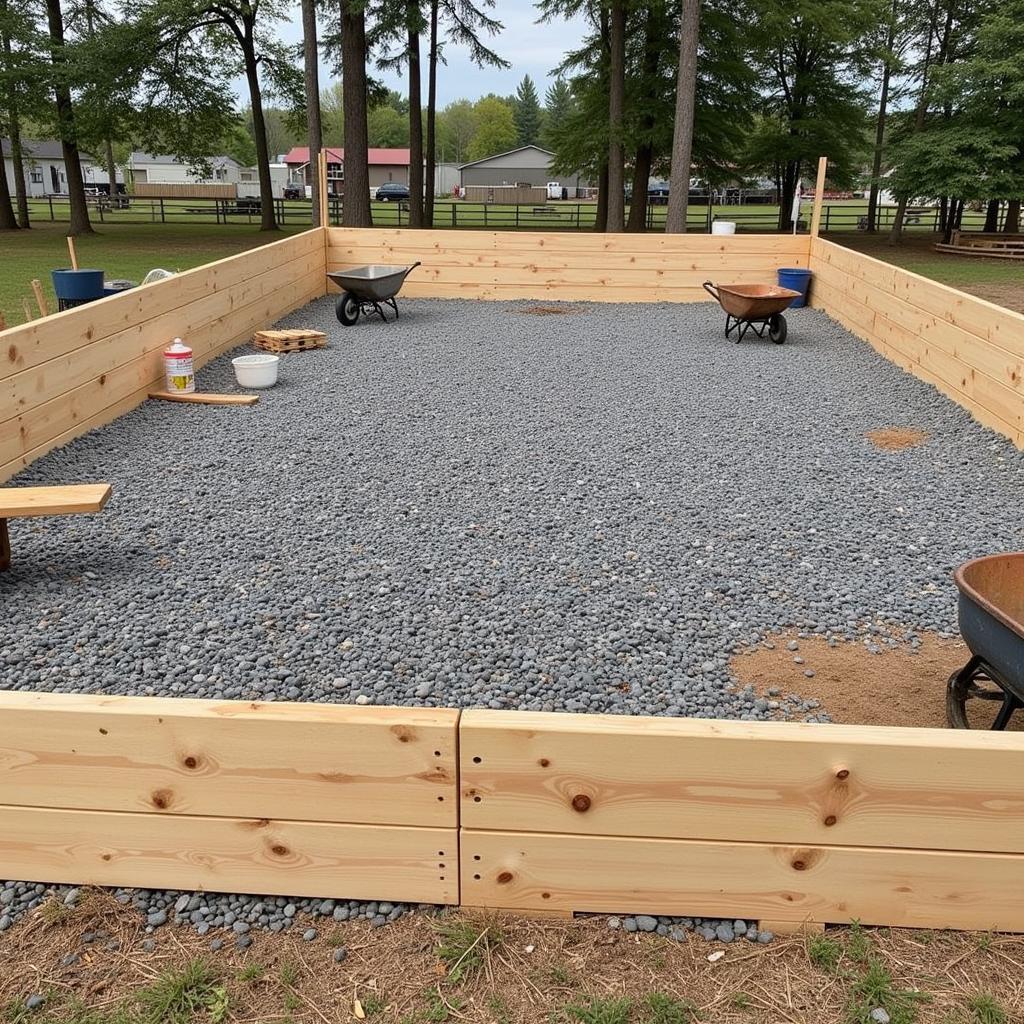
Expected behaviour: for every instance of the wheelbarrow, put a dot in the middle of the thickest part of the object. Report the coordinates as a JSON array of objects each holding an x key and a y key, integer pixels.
[
  {"x": 991, "y": 613},
  {"x": 753, "y": 307},
  {"x": 368, "y": 290}
]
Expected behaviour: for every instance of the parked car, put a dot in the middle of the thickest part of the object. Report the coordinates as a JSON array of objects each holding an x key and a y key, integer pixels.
[
  {"x": 657, "y": 195},
  {"x": 294, "y": 192},
  {"x": 392, "y": 192}
]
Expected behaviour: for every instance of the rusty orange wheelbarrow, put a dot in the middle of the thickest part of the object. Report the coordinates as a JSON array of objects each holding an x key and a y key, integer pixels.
[{"x": 753, "y": 307}]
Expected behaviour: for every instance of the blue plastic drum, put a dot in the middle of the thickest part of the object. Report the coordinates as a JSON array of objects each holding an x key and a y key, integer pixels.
[{"x": 797, "y": 279}]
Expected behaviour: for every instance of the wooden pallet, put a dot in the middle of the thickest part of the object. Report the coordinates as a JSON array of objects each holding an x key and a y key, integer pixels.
[{"x": 295, "y": 340}]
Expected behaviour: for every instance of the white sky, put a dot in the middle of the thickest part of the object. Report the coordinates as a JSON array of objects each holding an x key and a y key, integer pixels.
[{"x": 530, "y": 48}]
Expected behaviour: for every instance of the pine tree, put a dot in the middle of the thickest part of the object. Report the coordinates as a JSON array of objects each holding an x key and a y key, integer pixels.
[
  {"x": 558, "y": 106},
  {"x": 527, "y": 113}
]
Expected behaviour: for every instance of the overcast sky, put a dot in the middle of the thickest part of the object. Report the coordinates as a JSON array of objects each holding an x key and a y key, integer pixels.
[{"x": 530, "y": 48}]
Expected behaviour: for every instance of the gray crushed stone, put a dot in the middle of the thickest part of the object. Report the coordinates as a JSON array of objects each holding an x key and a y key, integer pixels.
[{"x": 478, "y": 507}]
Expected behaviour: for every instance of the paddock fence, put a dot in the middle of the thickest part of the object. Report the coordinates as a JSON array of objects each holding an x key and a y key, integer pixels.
[
  {"x": 67, "y": 373},
  {"x": 789, "y": 824},
  {"x": 567, "y": 267},
  {"x": 970, "y": 349}
]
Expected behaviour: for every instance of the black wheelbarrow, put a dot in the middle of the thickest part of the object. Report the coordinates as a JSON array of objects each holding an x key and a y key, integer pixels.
[
  {"x": 753, "y": 307},
  {"x": 368, "y": 290},
  {"x": 991, "y": 613}
]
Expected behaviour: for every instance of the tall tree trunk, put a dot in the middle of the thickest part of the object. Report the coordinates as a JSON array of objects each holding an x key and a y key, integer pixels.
[
  {"x": 992, "y": 215},
  {"x": 268, "y": 217},
  {"x": 431, "y": 142},
  {"x": 14, "y": 128},
  {"x": 108, "y": 147},
  {"x": 641, "y": 178},
  {"x": 1011, "y": 225},
  {"x": 896, "y": 232},
  {"x": 616, "y": 200},
  {"x": 883, "y": 104},
  {"x": 790, "y": 183},
  {"x": 415, "y": 125},
  {"x": 943, "y": 212},
  {"x": 682, "y": 135},
  {"x": 353, "y": 76},
  {"x": 601, "y": 213},
  {"x": 66, "y": 121},
  {"x": 8, "y": 222},
  {"x": 313, "y": 119}
]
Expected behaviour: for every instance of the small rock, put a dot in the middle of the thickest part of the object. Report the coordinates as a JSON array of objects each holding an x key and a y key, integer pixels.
[
  {"x": 148, "y": 945},
  {"x": 34, "y": 1001},
  {"x": 217, "y": 945},
  {"x": 765, "y": 937},
  {"x": 879, "y": 1015},
  {"x": 724, "y": 933},
  {"x": 309, "y": 934},
  {"x": 792, "y": 646},
  {"x": 243, "y": 942},
  {"x": 340, "y": 955},
  {"x": 646, "y": 923},
  {"x": 614, "y": 923}
]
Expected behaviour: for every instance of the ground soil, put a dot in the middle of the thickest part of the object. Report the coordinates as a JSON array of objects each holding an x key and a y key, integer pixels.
[
  {"x": 547, "y": 310},
  {"x": 894, "y": 439},
  {"x": 528, "y": 972},
  {"x": 901, "y": 686}
]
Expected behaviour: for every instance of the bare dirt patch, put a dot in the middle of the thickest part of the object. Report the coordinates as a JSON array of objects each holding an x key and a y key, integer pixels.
[
  {"x": 548, "y": 310},
  {"x": 894, "y": 439},
  {"x": 902, "y": 686},
  {"x": 525, "y": 972}
]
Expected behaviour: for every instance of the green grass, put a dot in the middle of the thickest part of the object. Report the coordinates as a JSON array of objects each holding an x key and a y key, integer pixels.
[
  {"x": 662, "y": 1009},
  {"x": 128, "y": 251},
  {"x": 824, "y": 952},
  {"x": 463, "y": 946},
  {"x": 985, "y": 1010},
  {"x": 599, "y": 1011},
  {"x": 874, "y": 988}
]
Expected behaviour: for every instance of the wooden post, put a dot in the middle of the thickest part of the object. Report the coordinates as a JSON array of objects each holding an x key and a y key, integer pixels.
[
  {"x": 3, "y": 322},
  {"x": 72, "y": 253},
  {"x": 819, "y": 191},
  {"x": 27, "y": 306},
  {"x": 325, "y": 213},
  {"x": 5, "y": 547},
  {"x": 37, "y": 287}
]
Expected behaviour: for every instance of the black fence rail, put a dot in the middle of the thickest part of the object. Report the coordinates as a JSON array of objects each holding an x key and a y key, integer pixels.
[{"x": 554, "y": 215}]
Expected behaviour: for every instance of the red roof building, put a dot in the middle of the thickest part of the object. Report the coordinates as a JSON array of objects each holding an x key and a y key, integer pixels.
[{"x": 385, "y": 165}]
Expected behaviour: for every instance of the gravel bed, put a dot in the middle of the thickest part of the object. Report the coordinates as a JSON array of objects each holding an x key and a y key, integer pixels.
[{"x": 476, "y": 506}]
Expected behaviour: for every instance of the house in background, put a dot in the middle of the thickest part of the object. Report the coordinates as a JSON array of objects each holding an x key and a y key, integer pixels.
[
  {"x": 524, "y": 167},
  {"x": 151, "y": 168},
  {"x": 385, "y": 165},
  {"x": 45, "y": 174}
]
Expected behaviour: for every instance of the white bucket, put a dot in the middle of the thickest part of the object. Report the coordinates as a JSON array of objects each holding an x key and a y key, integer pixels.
[
  {"x": 256, "y": 371},
  {"x": 723, "y": 227}
]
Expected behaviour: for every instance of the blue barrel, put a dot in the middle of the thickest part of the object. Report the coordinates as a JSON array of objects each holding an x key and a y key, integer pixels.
[
  {"x": 797, "y": 279},
  {"x": 78, "y": 285}
]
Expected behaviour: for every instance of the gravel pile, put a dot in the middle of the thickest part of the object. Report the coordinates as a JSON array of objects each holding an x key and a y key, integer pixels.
[{"x": 472, "y": 506}]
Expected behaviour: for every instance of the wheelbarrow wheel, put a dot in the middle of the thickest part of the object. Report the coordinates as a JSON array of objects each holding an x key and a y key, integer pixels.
[
  {"x": 347, "y": 308},
  {"x": 777, "y": 328},
  {"x": 972, "y": 683}
]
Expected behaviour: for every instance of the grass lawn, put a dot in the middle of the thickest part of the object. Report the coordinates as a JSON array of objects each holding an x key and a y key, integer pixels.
[
  {"x": 123, "y": 250},
  {"x": 999, "y": 281}
]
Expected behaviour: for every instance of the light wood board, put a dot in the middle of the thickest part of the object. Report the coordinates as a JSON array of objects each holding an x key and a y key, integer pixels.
[
  {"x": 22, "y": 502},
  {"x": 286, "y": 858},
  {"x": 765, "y": 781},
  {"x": 203, "y": 398},
  {"x": 603, "y": 874},
  {"x": 173, "y": 756}
]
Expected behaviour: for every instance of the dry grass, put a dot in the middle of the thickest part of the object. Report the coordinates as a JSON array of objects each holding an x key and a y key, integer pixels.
[{"x": 484, "y": 970}]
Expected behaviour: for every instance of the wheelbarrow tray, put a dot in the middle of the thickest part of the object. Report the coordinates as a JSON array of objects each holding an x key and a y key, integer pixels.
[
  {"x": 373, "y": 283},
  {"x": 991, "y": 614},
  {"x": 754, "y": 301}
]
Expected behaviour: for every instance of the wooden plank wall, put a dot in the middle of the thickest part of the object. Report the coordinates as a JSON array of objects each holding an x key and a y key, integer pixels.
[
  {"x": 777, "y": 821},
  {"x": 62, "y": 375},
  {"x": 573, "y": 267},
  {"x": 278, "y": 799},
  {"x": 970, "y": 349}
]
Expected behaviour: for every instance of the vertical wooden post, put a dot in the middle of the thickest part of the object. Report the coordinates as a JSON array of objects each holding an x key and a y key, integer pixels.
[
  {"x": 5, "y": 547},
  {"x": 325, "y": 215},
  {"x": 819, "y": 192},
  {"x": 37, "y": 287}
]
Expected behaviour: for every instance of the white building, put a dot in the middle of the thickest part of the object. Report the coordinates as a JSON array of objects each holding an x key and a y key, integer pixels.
[
  {"x": 150, "y": 168},
  {"x": 45, "y": 174}
]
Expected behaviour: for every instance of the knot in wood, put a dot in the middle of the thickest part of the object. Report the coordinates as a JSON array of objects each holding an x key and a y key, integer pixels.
[
  {"x": 504, "y": 878},
  {"x": 581, "y": 802}
]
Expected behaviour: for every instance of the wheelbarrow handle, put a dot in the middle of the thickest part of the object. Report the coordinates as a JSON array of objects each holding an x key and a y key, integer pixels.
[
  {"x": 711, "y": 290},
  {"x": 418, "y": 263}
]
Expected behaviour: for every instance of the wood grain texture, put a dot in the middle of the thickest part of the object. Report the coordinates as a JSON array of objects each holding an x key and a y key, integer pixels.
[
  {"x": 171, "y": 756},
  {"x": 764, "y": 781},
  {"x": 203, "y": 398},
  {"x": 567, "y": 266},
  {"x": 23, "y": 502},
  {"x": 603, "y": 874},
  {"x": 971, "y": 350},
  {"x": 285, "y": 858}
]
